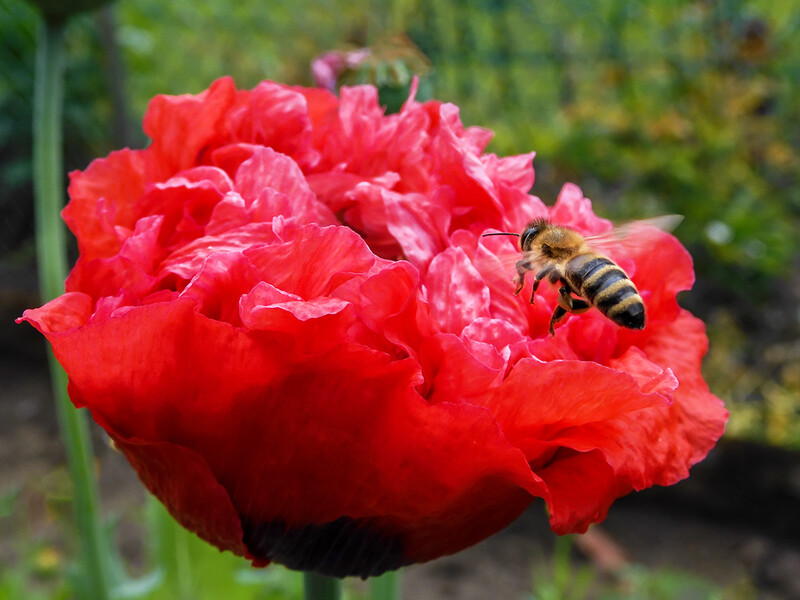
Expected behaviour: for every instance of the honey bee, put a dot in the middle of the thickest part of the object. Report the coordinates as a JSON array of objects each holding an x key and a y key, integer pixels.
[{"x": 586, "y": 278}]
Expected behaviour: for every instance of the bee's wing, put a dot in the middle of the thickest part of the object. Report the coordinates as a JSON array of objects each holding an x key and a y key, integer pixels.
[
  {"x": 534, "y": 260},
  {"x": 497, "y": 253},
  {"x": 632, "y": 235}
]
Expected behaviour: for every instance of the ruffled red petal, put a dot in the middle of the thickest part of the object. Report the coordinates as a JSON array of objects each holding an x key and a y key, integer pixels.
[
  {"x": 456, "y": 291},
  {"x": 391, "y": 456},
  {"x": 102, "y": 199},
  {"x": 584, "y": 407},
  {"x": 285, "y": 315},
  {"x": 574, "y": 210},
  {"x": 183, "y": 128},
  {"x": 181, "y": 479},
  {"x": 276, "y": 116},
  {"x": 68, "y": 311},
  {"x": 697, "y": 418}
]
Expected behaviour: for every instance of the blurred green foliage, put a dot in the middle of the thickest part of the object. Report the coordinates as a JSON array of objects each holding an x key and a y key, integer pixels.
[
  {"x": 664, "y": 106},
  {"x": 762, "y": 393},
  {"x": 182, "y": 566},
  {"x": 685, "y": 107},
  {"x": 568, "y": 579}
]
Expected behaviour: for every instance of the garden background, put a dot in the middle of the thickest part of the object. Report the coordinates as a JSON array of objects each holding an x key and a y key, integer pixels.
[{"x": 656, "y": 107}]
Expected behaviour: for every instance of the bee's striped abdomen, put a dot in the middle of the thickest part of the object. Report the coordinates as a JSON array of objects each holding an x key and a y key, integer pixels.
[{"x": 606, "y": 286}]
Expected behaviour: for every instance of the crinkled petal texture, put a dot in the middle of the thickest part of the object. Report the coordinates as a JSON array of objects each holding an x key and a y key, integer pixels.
[{"x": 285, "y": 316}]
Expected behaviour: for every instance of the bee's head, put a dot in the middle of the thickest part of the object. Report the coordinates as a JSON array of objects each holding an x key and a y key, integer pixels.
[{"x": 533, "y": 229}]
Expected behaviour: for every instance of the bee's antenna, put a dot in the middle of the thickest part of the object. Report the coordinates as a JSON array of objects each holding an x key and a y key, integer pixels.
[{"x": 487, "y": 234}]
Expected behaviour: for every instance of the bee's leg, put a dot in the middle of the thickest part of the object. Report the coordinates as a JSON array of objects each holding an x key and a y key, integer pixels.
[
  {"x": 538, "y": 279},
  {"x": 579, "y": 306},
  {"x": 558, "y": 314},
  {"x": 523, "y": 266},
  {"x": 567, "y": 303},
  {"x": 570, "y": 303}
]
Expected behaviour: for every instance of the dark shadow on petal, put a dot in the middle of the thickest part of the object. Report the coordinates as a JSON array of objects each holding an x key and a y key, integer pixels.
[{"x": 341, "y": 548}]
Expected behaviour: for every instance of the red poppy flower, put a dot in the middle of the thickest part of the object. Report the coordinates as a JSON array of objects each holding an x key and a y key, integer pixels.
[{"x": 284, "y": 315}]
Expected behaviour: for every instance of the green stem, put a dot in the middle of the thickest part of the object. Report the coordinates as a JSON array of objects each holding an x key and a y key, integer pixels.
[
  {"x": 47, "y": 161},
  {"x": 51, "y": 252},
  {"x": 562, "y": 565},
  {"x": 170, "y": 547},
  {"x": 320, "y": 587},
  {"x": 385, "y": 587}
]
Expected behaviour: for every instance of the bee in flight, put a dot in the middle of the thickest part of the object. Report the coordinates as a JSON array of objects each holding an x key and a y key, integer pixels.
[{"x": 566, "y": 258}]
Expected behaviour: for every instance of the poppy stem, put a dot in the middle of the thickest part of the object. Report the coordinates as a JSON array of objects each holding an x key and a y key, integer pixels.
[
  {"x": 52, "y": 266},
  {"x": 385, "y": 587},
  {"x": 321, "y": 587}
]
